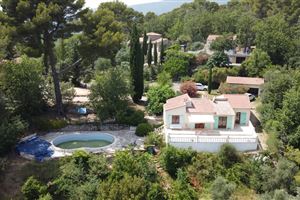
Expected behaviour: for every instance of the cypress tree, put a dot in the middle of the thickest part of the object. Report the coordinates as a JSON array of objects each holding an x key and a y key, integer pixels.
[
  {"x": 162, "y": 51},
  {"x": 136, "y": 65},
  {"x": 155, "y": 54},
  {"x": 210, "y": 79},
  {"x": 149, "y": 55},
  {"x": 145, "y": 45}
]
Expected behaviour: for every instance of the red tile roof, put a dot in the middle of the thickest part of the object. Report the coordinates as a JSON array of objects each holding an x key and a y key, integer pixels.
[
  {"x": 238, "y": 100},
  {"x": 177, "y": 102},
  {"x": 244, "y": 80},
  {"x": 202, "y": 105}
]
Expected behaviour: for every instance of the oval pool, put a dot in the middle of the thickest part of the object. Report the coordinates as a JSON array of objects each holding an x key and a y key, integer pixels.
[{"x": 88, "y": 141}]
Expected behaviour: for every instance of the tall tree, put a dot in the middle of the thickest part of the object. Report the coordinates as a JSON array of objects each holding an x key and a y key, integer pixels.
[
  {"x": 162, "y": 51},
  {"x": 155, "y": 54},
  {"x": 39, "y": 24},
  {"x": 273, "y": 36},
  {"x": 102, "y": 35},
  {"x": 245, "y": 32},
  {"x": 145, "y": 45},
  {"x": 24, "y": 86},
  {"x": 109, "y": 93},
  {"x": 136, "y": 65},
  {"x": 210, "y": 79},
  {"x": 149, "y": 53}
]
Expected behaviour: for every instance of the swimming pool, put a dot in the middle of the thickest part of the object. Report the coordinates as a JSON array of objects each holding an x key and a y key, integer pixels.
[{"x": 90, "y": 141}]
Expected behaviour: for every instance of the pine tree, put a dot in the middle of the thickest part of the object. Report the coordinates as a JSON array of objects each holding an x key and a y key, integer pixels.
[
  {"x": 38, "y": 24},
  {"x": 155, "y": 54},
  {"x": 149, "y": 53},
  {"x": 136, "y": 65},
  {"x": 162, "y": 51}
]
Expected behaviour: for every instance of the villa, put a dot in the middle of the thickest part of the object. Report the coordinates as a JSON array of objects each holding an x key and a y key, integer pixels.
[{"x": 205, "y": 125}]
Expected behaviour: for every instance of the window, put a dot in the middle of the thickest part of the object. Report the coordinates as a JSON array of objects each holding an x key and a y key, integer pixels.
[{"x": 175, "y": 119}]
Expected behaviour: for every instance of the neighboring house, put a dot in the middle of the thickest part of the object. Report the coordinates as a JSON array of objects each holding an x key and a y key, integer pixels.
[
  {"x": 211, "y": 38},
  {"x": 204, "y": 124},
  {"x": 155, "y": 38},
  {"x": 236, "y": 56},
  {"x": 254, "y": 84}
]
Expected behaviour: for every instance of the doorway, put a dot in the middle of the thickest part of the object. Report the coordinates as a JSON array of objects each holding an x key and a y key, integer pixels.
[
  {"x": 222, "y": 122},
  {"x": 199, "y": 126},
  {"x": 238, "y": 118}
]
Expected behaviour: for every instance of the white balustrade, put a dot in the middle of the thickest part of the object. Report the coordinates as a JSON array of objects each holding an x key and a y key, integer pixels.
[{"x": 207, "y": 139}]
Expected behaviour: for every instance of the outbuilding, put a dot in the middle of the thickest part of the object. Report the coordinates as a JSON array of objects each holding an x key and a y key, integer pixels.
[{"x": 254, "y": 84}]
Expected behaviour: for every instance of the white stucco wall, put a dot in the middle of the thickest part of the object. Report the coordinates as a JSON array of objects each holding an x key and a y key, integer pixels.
[
  {"x": 245, "y": 111},
  {"x": 181, "y": 111},
  {"x": 215, "y": 147}
]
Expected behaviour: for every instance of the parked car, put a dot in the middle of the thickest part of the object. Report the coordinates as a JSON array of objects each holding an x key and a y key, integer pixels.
[
  {"x": 251, "y": 96},
  {"x": 201, "y": 87}
]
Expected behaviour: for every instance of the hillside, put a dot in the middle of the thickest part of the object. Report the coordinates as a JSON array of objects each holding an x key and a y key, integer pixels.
[{"x": 165, "y": 6}]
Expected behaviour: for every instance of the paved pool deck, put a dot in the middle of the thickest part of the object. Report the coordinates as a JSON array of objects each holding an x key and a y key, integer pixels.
[{"x": 123, "y": 139}]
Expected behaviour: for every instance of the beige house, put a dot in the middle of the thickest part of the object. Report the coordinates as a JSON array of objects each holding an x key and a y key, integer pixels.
[{"x": 254, "y": 84}]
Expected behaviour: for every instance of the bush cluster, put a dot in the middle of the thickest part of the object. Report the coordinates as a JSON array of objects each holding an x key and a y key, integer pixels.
[
  {"x": 45, "y": 124},
  {"x": 131, "y": 117},
  {"x": 154, "y": 139},
  {"x": 143, "y": 129}
]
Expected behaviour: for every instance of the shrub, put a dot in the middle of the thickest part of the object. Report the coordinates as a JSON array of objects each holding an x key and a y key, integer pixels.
[
  {"x": 221, "y": 189},
  {"x": 46, "y": 197},
  {"x": 177, "y": 64},
  {"x": 186, "y": 78},
  {"x": 3, "y": 164},
  {"x": 33, "y": 188},
  {"x": 181, "y": 189},
  {"x": 157, "y": 96},
  {"x": 10, "y": 131},
  {"x": 131, "y": 117},
  {"x": 154, "y": 139},
  {"x": 226, "y": 88},
  {"x": 196, "y": 46},
  {"x": 228, "y": 155},
  {"x": 189, "y": 87},
  {"x": 205, "y": 168},
  {"x": 293, "y": 154},
  {"x": 164, "y": 78},
  {"x": 173, "y": 159},
  {"x": 201, "y": 59},
  {"x": 143, "y": 129},
  {"x": 156, "y": 192},
  {"x": 45, "y": 124}
]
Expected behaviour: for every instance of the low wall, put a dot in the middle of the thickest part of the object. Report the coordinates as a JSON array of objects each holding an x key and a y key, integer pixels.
[
  {"x": 213, "y": 143},
  {"x": 214, "y": 147}
]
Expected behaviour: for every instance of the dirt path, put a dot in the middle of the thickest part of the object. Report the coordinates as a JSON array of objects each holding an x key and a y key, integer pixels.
[
  {"x": 166, "y": 180},
  {"x": 12, "y": 179}
]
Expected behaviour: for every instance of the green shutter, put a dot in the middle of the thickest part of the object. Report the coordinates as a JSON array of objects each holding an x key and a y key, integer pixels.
[
  {"x": 191, "y": 125},
  {"x": 207, "y": 126},
  {"x": 169, "y": 119},
  {"x": 181, "y": 121},
  {"x": 216, "y": 124},
  {"x": 243, "y": 118},
  {"x": 229, "y": 122}
]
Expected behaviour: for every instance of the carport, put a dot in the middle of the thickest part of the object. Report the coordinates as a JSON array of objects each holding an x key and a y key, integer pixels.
[{"x": 254, "y": 84}]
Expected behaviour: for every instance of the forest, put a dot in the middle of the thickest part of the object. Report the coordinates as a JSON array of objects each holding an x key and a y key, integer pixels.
[{"x": 49, "y": 48}]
